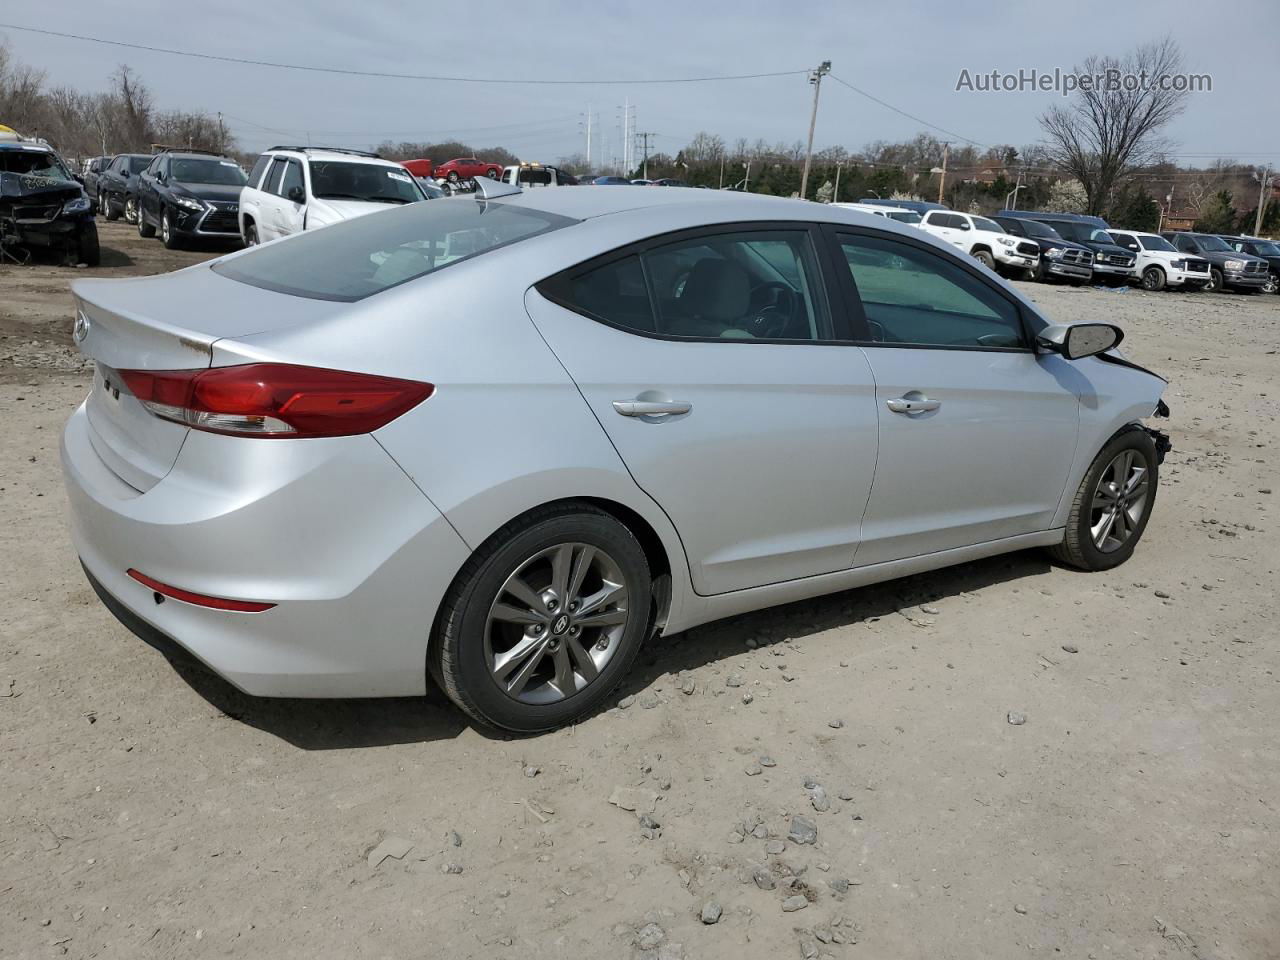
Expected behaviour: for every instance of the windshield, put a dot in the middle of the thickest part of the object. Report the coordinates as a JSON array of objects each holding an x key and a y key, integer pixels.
[
  {"x": 1040, "y": 230},
  {"x": 1081, "y": 232},
  {"x": 138, "y": 164},
  {"x": 1212, "y": 244},
  {"x": 34, "y": 163},
  {"x": 222, "y": 172},
  {"x": 355, "y": 259},
  {"x": 982, "y": 223},
  {"x": 904, "y": 216},
  {"x": 371, "y": 182},
  {"x": 1157, "y": 243}
]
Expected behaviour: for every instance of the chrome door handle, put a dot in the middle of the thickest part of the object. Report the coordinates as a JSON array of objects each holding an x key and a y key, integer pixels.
[
  {"x": 912, "y": 405},
  {"x": 651, "y": 408}
]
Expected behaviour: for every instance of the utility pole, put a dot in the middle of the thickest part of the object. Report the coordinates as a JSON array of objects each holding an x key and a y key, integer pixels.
[
  {"x": 588, "y": 136},
  {"x": 835, "y": 194},
  {"x": 1014, "y": 193},
  {"x": 746, "y": 181},
  {"x": 816, "y": 79},
  {"x": 1263, "y": 189},
  {"x": 720, "y": 186},
  {"x": 942, "y": 178},
  {"x": 222, "y": 134},
  {"x": 644, "y": 137}
]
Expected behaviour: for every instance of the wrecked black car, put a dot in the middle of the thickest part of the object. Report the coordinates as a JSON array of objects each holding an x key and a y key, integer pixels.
[{"x": 43, "y": 208}]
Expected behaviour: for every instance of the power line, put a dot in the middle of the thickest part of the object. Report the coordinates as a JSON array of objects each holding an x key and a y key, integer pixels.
[
  {"x": 909, "y": 116},
  {"x": 244, "y": 61}
]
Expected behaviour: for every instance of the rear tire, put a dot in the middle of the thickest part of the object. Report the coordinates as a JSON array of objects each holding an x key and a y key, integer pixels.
[
  {"x": 131, "y": 209},
  {"x": 453, "y": 176},
  {"x": 111, "y": 210},
  {"x": 251, "y": 235},
  {"x": 470, "y": 639},
  {"x": 145, "y": 230},
  {"x": 1090, "y": 541},
  {"x": 491, "y": 174}
]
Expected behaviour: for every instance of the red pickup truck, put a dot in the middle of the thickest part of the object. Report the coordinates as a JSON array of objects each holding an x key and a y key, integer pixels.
[
  {"x": 467, "y": 168},
  {"x": 419, "y": 168}
]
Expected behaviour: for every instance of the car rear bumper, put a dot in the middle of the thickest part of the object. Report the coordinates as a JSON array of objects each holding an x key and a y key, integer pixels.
[{"x": 352, "y": 554}]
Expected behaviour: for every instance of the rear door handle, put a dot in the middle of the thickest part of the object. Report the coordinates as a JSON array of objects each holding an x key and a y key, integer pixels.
[
  {"x": 651, "y": 408},
  {"x": 912, "y": 404}
]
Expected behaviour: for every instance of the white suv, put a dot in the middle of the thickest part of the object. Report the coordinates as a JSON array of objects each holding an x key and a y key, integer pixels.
[
  {"x": 1160, "y": 264},
  {"x": 901, "y": 214},
  {"x": 292, "y": 189},
  {"x": 983, "y": 239}
]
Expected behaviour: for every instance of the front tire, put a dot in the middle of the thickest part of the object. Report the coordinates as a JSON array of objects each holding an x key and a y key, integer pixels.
[
  {"x": 90, "y": 253},
  {"x": 111, "y": 209},
  {"x": 1153, "y": 279},
  {"x": 986, "y": 259},
  {"x": 544, "y": 620},
  {"x": 145, "y": 230},
  {"x": 251, "y": 235},
  {"x": 1215, "y": 280},
  {"x": 168, "y": 236},
  {"x": 1273, "y": 283},
  {"x": 491, "y": 174},
  {"x": 131, "y": 209},
  {"x": 1113, "y": 503}
]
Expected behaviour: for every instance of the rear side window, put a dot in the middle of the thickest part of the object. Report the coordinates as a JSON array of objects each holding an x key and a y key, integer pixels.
[
  {"x": 259, "y": 168},
  {"x": 748, "y": 285},
  {"x": 355, "y": 259},
  {"x": 915, "y": 297}
]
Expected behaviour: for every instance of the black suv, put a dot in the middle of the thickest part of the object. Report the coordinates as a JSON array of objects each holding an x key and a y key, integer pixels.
[
  {"x": 1059, "y": 259},
  {"x": 1228, "y": 268},
  {"x": 1111, "y": 263},
  {"x": 1268, "y": 250},
  {"x": 43, "y": 205},
  {"x": 92, "y": 174},
  {"x": 190, "y": 194},
  {"x": 118, "y": 186}
]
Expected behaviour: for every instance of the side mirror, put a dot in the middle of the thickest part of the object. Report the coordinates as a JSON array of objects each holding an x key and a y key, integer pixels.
[
  {"x": 1078, "y": 340},
  {"x": 964, "y": 226},
  {"x": 297, "y": 195}
]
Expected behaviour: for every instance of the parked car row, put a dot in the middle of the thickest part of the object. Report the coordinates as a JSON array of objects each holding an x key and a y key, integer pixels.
[{"x": 1080, "y": 249}]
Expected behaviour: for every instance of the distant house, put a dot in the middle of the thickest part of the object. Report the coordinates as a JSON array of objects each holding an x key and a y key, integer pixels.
[{"x": 1180, "y": 220}]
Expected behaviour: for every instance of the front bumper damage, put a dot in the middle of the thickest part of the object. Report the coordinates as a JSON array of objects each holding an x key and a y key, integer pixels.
[
  {"x": 32, "y": 216},
  {"x": 1159, "y": 437}
]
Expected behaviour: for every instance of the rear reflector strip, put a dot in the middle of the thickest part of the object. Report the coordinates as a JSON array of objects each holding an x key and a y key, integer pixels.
[{"x": 199, "y": 599}]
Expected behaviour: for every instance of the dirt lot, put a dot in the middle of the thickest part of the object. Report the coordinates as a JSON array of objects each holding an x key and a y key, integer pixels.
[{"x": 152, "y": 812}]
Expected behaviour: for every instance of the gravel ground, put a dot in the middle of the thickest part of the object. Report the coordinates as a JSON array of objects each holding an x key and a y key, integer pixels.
[{"x": 838, "y": 777}]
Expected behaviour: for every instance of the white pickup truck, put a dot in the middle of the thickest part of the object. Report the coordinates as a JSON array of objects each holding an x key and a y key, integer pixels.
[
  {"x": 1160, "y": 264},
  {"x": 984, "y": 240}
]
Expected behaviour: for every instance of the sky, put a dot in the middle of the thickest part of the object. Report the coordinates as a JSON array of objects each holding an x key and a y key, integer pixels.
[{"x": 909, "y": 54}]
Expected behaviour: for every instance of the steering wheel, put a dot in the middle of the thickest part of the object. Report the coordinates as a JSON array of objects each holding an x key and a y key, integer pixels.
[{"x": 771, "y": 318}]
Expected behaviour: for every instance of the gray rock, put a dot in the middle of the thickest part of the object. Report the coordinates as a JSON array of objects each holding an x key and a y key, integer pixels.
[
  {"x": 803, "y": 830},
  {"x": 649, "y": 701},
  {"x": 670, "y": 951},
  {"x": 821, "y": 802},
  {"x": 454, "y": 868},
  {"x": 648, "y": 822},
  {"x": 1070, "y": 648},
  {"x": 809, "y": 782},
  {"x": 689, "y": 687},
  {"x": 931, "y": 611},
  {"x": 455, "y": 838},
  {"x": 808, "y": 950},
  {"x": 634, "y": 799},
  {"x": 627, "y": 701},
  {"x": 835, "y": 724},
  {"x": 754, "y": 770},
  {"x": 1017, "y": 719},
  {"x": 649, "y": 936},
  {"x": 775, "y": 847},
  {"x": 768, "y": 761},
  {"x": 733, "y": 680},
  {"x": 760, "y": 831},
  {"x": 1019, "y": 908},
  {"x": 392, "y": 847},
  {"x": 711, "y": 912},
  {"x": 762, "y": 878},
  {"x": 823, "y": 934},
  {"x": 792, "y": 904},
  {"x": 839, "y": 885},
  {"x": 747, "y": 697},
  {"x": 532, "y": 771}
]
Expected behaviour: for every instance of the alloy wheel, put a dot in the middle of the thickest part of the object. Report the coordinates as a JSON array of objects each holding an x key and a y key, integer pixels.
[
  {"x": 131, "y": 210},
  {"x": 1272, "y": 284},
  {"x": 1119, "y": 501},
  {"x": 556, "y": 623},
  {"x": 164, "y": 227}
]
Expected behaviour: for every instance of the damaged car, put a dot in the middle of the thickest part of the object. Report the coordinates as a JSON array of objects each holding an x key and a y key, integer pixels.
[{"x": 43, "y": 207}]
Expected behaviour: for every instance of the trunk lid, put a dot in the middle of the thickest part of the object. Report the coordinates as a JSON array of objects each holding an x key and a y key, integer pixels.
[{"x": 168, "y": 322}]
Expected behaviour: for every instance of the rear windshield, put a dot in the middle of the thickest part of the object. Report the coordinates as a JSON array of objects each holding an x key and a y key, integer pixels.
[{"x": 358, "y": 258}]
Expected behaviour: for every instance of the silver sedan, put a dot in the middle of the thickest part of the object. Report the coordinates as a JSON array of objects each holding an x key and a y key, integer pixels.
[{"x": 502, "y": 440}]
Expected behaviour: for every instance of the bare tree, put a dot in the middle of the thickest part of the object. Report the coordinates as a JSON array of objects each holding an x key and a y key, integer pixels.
[{"x": 1110, "y": 129}]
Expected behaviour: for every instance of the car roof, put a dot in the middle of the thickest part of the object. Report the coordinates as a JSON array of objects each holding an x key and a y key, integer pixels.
[
  {"x": 26, "y": 145},
  {"x": 587, "y": 204},
  {"x": 319, "y": 153},
  {"x": 182, "y": 155}
]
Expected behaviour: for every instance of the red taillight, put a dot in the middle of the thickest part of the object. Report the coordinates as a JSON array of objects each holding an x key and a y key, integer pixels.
[
  {"x": 275, "y": 399},
  {"x": 199, "y": 599}
]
